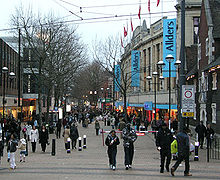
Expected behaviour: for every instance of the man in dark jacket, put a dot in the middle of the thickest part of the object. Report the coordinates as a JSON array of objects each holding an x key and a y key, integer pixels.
[
  {"x": 58, "y": 129},
  {"x": 74, "y": 134},
  {"x": 209, "y": 135},
  {"x": 112, "y": 141},
  {"x": 163, "y": 142},
  {"x": 129, "y": 137},
  {"x": 43, "y": 138},
  {"x": 201, "y": 130},
  {"x": 183, "y": 151}
]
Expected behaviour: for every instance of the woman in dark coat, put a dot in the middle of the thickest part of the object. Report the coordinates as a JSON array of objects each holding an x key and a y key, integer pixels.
[{"x": 44, "y": 138}]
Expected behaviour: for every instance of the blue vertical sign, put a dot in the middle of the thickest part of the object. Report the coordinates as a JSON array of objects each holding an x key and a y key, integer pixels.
[
  {"x": 135, "y": 68},
  {"x": 169, "y": 45},
  {"x": 117, "y": 80}
]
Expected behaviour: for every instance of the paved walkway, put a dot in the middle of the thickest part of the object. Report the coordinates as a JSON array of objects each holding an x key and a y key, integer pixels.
[{"x": 92, "y": 163}]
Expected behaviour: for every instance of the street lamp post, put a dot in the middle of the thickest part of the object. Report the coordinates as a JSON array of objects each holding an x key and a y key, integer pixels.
[
  {"x": 11, "y": 76},
  {"x": 149, "y": 78},
  {"x": 170, "y": 59},
  {"x": 104, "y": 91},
  {"x": 93, "y": 93}
]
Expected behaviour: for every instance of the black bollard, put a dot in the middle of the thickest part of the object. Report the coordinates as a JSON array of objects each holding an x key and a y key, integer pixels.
[
  {"x": 84, "y": 142},
  {"x": 53, "y": 147},
  {"x": 196, "y": 157},
  {"x": 68, "y": 145},
  {"x": 80, "y": 144}
]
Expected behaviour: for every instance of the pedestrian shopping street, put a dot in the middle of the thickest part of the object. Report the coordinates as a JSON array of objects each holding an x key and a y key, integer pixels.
[{"x": 92, "y": 163}]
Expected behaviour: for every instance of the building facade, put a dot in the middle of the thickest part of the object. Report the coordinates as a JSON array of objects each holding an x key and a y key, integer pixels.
[
  {"x": 9, "y": 59},
  {"x": 209, "y": 63},
  {"x": 149, "y": 41}
]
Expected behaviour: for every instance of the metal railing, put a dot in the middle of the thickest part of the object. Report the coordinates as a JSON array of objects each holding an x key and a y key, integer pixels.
[{"x": 213, "y": 149}]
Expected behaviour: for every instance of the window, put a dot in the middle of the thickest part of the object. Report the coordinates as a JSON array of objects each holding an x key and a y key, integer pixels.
[
  {"x": 207, "y": 46},
  {"x": 158, "y": 52},
  {"x": 194, "y": 111},
  {"x": 195, "y": 29},
  {"x": 214, "y": 113},
  {"x": 200, "y": 84},
  {"x": 44, "y": 101},
  {"x": 199, "y": 51},
  {"x": 161, "y": 84},
  {"x": 214, "y": 81},
  {"x": 206, "y": 84},
  {"x": 149, "y": 62}
]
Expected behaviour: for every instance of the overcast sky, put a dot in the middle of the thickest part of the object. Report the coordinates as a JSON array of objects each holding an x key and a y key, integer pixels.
[{"x": 101, "y": 27}]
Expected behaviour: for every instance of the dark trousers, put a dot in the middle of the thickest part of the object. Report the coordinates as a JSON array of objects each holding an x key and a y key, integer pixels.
[
  {"x": 58, "y": 133},
  {"x": 43, "y": 146},
  {"x": 33, "y": 146},
  {"x": 129, "y": 153},
  {"x": 201, "y": 140},
  {"x": 73, "y": 143},
  {"x": 112, "y": 156},
  {"x": 163, "y": 154},
  {"x": 97, "y": 132},
  {"x": 180, "y": 159}
]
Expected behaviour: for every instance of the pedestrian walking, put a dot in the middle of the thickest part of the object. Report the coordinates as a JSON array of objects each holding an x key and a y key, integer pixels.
[
  {"x": 74, "y": 135},
  {"x": 112, "y": 141},
  {"x": 66, "y": 135},
  {"x": 24, "y": 131},
  {"x": 43, "y": 138},
  {"x": 209, "y": 135},
  {"x": 97, "y": 127},
  {"x": 58, "y": 132},
  {"x": 28, "y": 132},
  {"x": 183, "y": 152},
  {"x": 113, "y": 122},
  {"x": 22, "y": 147},
  {"x": 34, "y": 138},
  {"x": 201, "y": 130},
  {"x": 12, "y": 148},
  {"x": 129, "y": 136},
  {"x": 175, "y": 125},
  {"x": 154, "y": 127},
  {"x": 163, "y": 142},
  {"x": 122, "y": 125}
]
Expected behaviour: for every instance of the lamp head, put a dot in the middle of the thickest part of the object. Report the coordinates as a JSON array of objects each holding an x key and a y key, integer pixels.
[
  {"x": 155, "y": 73},
  {"x": 12, "y": 75},
  {"x": 177, "y": 63},
  {"x": 149, "y": 78},
  {"x": 169, "y": 58},
  {"x": 161, "y": 64},
  {"x": 4, "y": 69}
]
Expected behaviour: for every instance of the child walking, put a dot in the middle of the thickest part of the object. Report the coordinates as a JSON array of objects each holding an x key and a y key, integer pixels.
[
  {"x": 12, "y": 147},
  {"x": 22, "y": 147}
]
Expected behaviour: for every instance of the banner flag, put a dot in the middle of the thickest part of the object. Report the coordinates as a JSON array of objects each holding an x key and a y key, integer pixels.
[{"x": 135, "y": 68}]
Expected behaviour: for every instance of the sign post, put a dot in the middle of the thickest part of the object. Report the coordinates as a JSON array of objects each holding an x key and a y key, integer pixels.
[{"x": 188, "y": 100}]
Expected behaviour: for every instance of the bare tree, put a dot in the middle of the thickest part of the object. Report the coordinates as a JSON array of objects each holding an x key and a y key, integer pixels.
[
  {"x": 90, "y": 78},
  {"x": 56, "y": 47},
  {"x": 108, "y": 54}
]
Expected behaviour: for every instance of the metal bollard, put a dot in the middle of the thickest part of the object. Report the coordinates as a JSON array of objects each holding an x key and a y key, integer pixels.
[
  {"x": 196, "y": 158},
  {"x": 84, "y": 141},
  {"x": 53, "y": 147},
  {"x": 68, "y": 145},
  {"x": 80, "y": 144}
]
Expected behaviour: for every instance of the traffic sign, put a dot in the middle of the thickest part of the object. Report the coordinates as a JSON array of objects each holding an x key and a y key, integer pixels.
[
  {"x": 188, "y": 100},
  {"x": 188, "y": 114}
]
